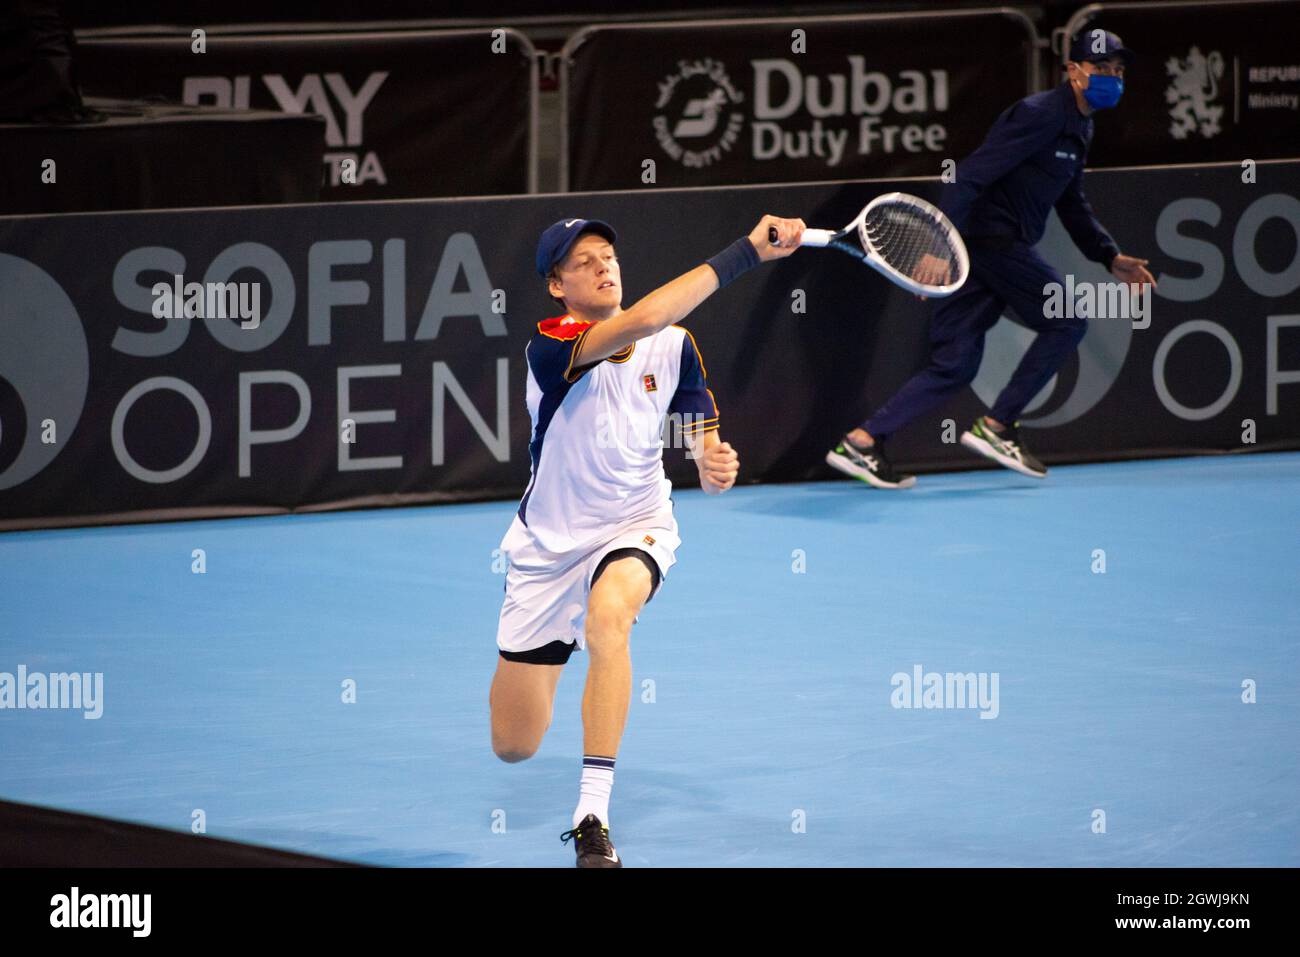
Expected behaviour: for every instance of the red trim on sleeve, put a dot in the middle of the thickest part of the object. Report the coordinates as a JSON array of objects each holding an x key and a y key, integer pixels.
[{"x": 565, "y": 328}]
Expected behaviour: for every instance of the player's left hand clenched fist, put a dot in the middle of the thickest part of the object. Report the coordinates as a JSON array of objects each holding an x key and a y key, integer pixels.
[{"x": 719, "y": 466}]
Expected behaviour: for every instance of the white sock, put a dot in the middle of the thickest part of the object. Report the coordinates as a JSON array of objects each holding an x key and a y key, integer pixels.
[{"x": 593, "y": 792}]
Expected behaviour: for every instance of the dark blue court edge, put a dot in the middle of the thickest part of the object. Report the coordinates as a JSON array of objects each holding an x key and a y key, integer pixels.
[{"x": 916, "y": 906}]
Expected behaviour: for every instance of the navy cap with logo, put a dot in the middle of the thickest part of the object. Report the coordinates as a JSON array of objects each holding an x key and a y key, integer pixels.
[
  {"x": 1092, "y": 45},
  {"x": 559, "y": 237}
]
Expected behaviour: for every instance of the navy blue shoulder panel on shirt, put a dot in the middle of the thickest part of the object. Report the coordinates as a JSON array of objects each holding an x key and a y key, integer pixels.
[
  {"x": 550, "y": 360},
  {"x": 550, "y": 356},
  {"x": 693, "y": 401}
]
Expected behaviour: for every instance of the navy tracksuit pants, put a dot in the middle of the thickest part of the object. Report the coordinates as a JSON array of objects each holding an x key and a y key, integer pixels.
[{"x": 1006, "y": 274}]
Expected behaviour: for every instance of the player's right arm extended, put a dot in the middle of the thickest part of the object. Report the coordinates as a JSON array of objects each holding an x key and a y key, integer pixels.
[{"x": 675, "y": 300}]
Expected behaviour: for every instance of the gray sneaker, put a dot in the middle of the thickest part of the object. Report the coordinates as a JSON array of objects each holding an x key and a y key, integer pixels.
[
  {"x": 869, "y": 465},
  {"x": 1006, "y": 448}
]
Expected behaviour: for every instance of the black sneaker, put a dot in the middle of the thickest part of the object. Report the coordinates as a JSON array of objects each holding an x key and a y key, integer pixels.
[
  {"x": 869, "y": 465},
  {"x": 1006, "y": 448},
  {"x": 591, "y": 841}
]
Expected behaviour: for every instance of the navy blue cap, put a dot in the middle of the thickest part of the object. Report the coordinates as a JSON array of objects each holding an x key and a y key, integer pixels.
[
  {"x": 560, "y": 236},
  {"x": 1083, "y": 48}
]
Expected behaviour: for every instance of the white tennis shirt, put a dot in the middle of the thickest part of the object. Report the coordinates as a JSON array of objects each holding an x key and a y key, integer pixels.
[{"x": 596, "y": 448}]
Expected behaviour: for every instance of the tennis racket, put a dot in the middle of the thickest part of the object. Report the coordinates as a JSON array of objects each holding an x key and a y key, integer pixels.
[{"x": 907, "y": 240}]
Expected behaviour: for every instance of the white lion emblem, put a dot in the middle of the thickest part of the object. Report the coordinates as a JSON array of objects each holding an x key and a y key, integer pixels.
[{"x": 1195, "y": 86}]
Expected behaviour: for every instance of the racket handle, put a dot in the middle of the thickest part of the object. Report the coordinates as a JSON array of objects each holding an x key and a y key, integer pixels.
[{"x": 811, "y": 237}]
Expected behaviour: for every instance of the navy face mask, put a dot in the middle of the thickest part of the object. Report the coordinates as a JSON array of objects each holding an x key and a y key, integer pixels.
[{"x": 1103, "y": 92}]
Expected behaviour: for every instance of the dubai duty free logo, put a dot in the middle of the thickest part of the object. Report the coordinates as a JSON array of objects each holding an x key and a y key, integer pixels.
[
  {"x": 44, "y": 369},
  {"x": 694, "y": 121}
]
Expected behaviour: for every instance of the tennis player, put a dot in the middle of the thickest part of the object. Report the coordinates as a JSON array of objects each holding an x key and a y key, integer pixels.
[
  {"x": 1031, "y": 162},
  {"x": 594, "y": 536}
]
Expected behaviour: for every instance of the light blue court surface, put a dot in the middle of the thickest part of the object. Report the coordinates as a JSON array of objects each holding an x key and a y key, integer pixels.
[{"x": 1119, "y": 692}]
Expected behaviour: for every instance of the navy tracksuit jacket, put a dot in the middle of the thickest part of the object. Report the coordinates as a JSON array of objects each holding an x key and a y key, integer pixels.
[{"x": 1030, "y": 162}]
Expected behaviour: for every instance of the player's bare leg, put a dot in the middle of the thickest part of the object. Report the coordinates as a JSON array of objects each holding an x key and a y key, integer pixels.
[
  {"x": 616, "y": 598},
  {"x": 521, "y": 699},
  {"x": 615, "y": 601}
]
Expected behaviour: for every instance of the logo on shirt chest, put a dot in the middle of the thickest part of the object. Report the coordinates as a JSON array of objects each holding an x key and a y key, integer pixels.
[
  {"x": 648, "y": 381},
  {"x": 1062, "y": 154}
]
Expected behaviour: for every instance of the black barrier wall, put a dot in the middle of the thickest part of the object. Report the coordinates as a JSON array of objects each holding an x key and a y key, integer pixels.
[
  {"x": 415, "y": 114},
  {"x": 1212, "y": 81},
  {"x": 410, "y": 320},
  {"x": 786, "y": 100}
]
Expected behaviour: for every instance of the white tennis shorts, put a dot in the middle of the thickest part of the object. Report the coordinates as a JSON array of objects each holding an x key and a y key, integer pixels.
[{"x": 546, "y": 593}]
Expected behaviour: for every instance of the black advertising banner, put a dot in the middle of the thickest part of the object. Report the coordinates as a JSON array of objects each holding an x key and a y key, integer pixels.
[
  {"x": 129, "y": 161},
  {"x": 1211, "y": 81},
  {"x": 787, "y": 100},
  {"x": 409, "y": 114},
  {"x": 382, "y": 357}
]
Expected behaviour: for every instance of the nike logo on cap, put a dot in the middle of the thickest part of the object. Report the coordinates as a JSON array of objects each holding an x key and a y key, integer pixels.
[{"x": 569, "y": 224}]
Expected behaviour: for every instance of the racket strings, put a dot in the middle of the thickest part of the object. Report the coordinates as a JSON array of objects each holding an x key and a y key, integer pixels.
[{"x": 903, "y": 235}]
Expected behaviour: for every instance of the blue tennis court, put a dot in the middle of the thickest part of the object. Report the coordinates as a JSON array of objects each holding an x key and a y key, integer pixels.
[{"x": 761, "y": 730}]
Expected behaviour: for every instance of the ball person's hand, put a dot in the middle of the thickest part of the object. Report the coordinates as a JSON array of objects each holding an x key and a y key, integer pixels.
[
  {"x": 719, "y": 466},
  {"x": 789, "y": 234},
  {"x": 1130, "y": 269},
  {"x": 931, "y": 271}
]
